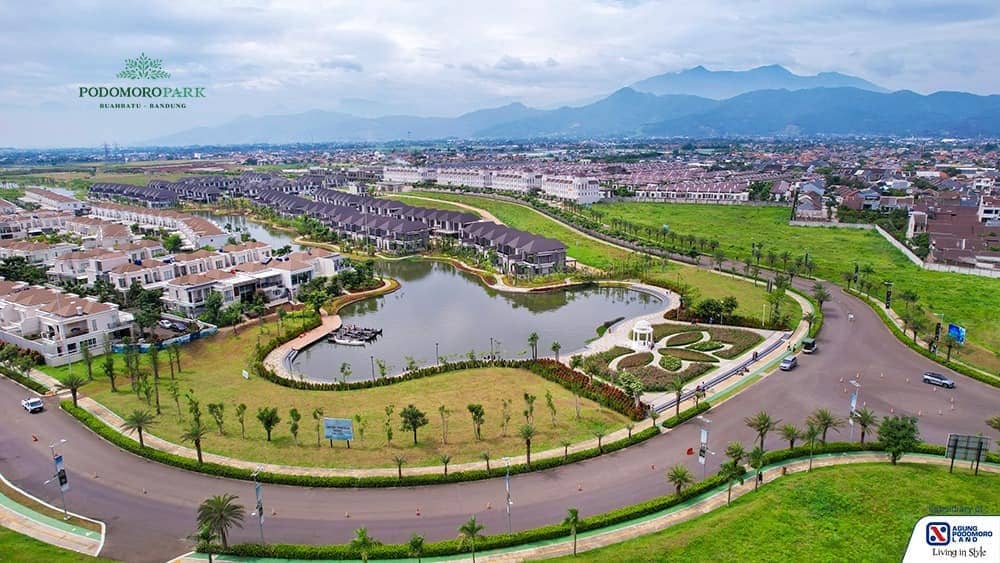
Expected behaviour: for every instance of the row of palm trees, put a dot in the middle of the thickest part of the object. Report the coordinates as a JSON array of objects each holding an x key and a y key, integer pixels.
[{"x": 218, "y": 514}]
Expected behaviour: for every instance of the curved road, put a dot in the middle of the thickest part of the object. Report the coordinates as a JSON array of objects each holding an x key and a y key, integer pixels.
[{"x": 149, "y": 508}]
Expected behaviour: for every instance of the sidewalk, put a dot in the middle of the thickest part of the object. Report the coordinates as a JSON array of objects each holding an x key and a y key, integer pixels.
[{"x": 28, "y": 522}]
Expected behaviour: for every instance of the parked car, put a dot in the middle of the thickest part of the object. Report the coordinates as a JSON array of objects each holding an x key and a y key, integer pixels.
[
  {"x": 809, "y": 345},
  {"x": 33, "y": 404},
  {"x": 788, "y": 363},
  {"x": 180, "y": 327},
  {"x": 164, "y": 323},
  {"x": 940, "y": 380}
]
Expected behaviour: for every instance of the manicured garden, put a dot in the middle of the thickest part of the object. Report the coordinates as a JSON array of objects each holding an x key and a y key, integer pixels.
[
  {"x": 210, "y": 373},
  {"x": 821, "y": 513}
]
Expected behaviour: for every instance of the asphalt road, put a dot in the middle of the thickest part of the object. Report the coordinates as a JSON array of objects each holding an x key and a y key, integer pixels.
[{"x": 149, "y": 508}]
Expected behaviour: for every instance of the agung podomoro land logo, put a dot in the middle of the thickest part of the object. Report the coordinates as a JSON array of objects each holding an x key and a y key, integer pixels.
[{"x": 143, "y": 68}]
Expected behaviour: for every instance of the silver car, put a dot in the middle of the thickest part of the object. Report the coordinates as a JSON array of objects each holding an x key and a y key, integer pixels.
[
  {"x": 932, "y": 378},
  {"x": 788, "y": 363}
]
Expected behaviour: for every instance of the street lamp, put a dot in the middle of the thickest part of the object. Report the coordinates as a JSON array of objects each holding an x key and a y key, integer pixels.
[
  {"x": 60, "y": 476},
  {"x": 259, "y": 512},
  {"x": 373, "y": 367},
  {"x": 506, "y": 461},
  {"x": 437, "y": 356},
  {"x": 703, "y": 447}
]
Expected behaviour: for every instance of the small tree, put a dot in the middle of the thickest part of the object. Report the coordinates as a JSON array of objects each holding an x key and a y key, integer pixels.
[
  {"x": 572, "y": 520},
  {"x": 175, "y": 394},
  {"x": 445, "y": 413},
  {"x": 952, "y": 344},
  {"x": 680, "y": 477},
  {"x": 478, "y": 418},
  {"x": 790, "y": 433},
  {"x": 415, "y": 547},
  {"x": 216, "y": 410},
  {"x": 762, "y": 423},
  {"x": 387, "y": 424},
  {"x": 195, "y": 434},
  {"x": 205, "y": 541},
  {"x": 269, "y": 419},
  {"x": 550, "y": 404},
  {"x": 73, "y": 382},
  {"x": 88, "y": 361},
  {"x": 820, "y": 294},
  {"x": 676, "y": 386},
  {"x": 555, "y": 349},
  {"x": 241, "y": 412},
  {"x": 505, "y": 413},
  {"x": 413, "y": 418},
  {"x": 599, "y": 432},
  {"x": 399, "y": 461},
  {"x": 317, "y": 415},
  {"x": 363, "y": 543},
  {"x": 527, "y": 432},
  {"x": 293, "y": 423},
  {"x": 529, "y": 407},
  {"x": 825, "y": 421},
  {"x": 109, "y": 364},
  {"x": 533, "y": 343},
  {"x": 898, "y": 434},
  {"x": 731, "y": 473},
  {"x": 735, "y": 452},
  {"x": 469, "y": 533},
  {"x": 810, "y": 436},
  {"x": 756, "y": 459},
  {"x": 138, "y": 421},
  {"x": 485, "y": 456},
  {"x": 220, "y": 513},
  {"x": 445, "y": 460}
]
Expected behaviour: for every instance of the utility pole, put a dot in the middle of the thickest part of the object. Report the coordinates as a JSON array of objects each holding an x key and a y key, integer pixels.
[
  {"x": 60, "y": 476},
  {"x": 506, "y": 460},
  {"x": 259, "y": 513}
]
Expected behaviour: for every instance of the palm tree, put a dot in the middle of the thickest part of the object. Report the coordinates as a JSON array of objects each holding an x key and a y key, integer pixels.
[
  {"x": 195, "y": 434},
  {"x": 735, "y": 452},
  {"x": 572, "y": 519},
  {"x": 810, "y": 318},
  {"x": 909, "y": 297},
  {"x": 555, "y": 349},
  {"x": 73, "y": 382},
  {"x": 756, "y": 459},
  {"x": 791, "y": 433},
  {"x": 137, "y": 422},
  {"x": 527, "y": 432},
  {"x": 533, "y": 343},
  {"x": 680, "y": 477},
  {"x": 205, "y": 540},
  {"x": 599, "y": 433},
  {"x": 469, "y": 532},
  {"x": 867, "y": 420},
  {"x": 732, "y": 472},
  {"x": 219, "y": 513},
  {"x": 820, "y": 294},
  {"x": 445, "y": 460},
  {"x": 676, "y": 386},
  {"x": 485, "y": 456},
  {"x": 268, "y": 417},
  {"x": 762, "y": 423},
  {"x": 810, "y": 436},
  {"x": 825, "y": 421},
  {"x": 363, "y": 543},
  {"x": 399, "y": 461},
  {"x": 415, "y": 547}
]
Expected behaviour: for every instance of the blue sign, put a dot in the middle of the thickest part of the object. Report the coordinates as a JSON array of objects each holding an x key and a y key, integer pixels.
[
  {"x": 956, "y": 332},
  {"x": 338, "y": 429},
  {"x": 61, "y": 473}
]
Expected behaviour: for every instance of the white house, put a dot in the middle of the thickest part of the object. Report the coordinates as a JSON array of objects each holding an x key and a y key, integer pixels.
[{"x": 581, "y": 190}]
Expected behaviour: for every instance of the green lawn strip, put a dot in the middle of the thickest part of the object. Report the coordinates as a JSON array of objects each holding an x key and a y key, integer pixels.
[
  {"x": 655, "y": 378},
  {"x": 57, "y": 523},
  {"x": 966, "y": 300},
  {"x": 692, "y": 355},
  {"x": 18, "y": 547},
  {"x": 11, "y": 497},
  {"x": 820, "y": 514},
  {"x": 436, "y": 204}
]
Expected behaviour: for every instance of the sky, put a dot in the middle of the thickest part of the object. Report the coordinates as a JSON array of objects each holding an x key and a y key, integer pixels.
[{"x": 443, "y": 58}]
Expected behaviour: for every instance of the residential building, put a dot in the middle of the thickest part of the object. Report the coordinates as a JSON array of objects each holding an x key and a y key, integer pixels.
[
  {"x": 572, "y": 188},
  {"x": 52, "y": 200},
  {"x": 516, "y": 252}
]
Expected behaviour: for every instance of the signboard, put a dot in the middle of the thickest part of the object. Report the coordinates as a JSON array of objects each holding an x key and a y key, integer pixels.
[
  {"x": 966, "y": 447},
  {"x": 704, "y": 436},
  {"x": 338, "y": 429},
  {"x": 702, "y": 453},
  {"x": 61, "y": 474},
  {"x": 956, "y": 332},
  {"x": 854, "y": 402},
  {"x": 246, "y": 375}
]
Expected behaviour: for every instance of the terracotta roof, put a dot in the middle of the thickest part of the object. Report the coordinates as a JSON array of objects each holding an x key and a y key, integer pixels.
[{"x": 73, "y": 306}]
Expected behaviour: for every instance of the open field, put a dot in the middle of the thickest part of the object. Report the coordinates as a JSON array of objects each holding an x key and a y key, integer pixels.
[
  {"x": 820, "y": 517},
  {"x": 211, "y": 368},
  {"x": 17, "y": 547},
  {"x": 601, "y": 255},
  {"x": 967, "y": 300}
]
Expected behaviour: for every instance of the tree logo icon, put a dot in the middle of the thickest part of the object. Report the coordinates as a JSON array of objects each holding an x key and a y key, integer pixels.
[{"x": 143, "y": 68}]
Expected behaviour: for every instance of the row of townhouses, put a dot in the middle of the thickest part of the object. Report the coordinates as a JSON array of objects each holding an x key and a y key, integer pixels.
[
  {"x": 197, "y": 232},
  {"x": 578, "y": 189}
]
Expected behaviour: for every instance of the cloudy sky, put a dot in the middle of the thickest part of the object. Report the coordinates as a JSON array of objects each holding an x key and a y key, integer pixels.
[{"x": 430, "y": 57}]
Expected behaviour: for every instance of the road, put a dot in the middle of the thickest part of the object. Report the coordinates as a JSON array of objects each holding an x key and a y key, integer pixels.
[{"x": 149, "y": 508}]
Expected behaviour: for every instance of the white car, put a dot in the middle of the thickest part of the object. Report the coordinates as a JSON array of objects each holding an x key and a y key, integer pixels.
[
  {"x": 164, "y": 323},
  {"x": 33, "y": 404}
]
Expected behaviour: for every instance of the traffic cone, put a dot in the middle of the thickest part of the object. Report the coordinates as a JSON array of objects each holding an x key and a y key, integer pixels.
[
  {"x": 418, "y": 511},
  {"x": 34, "y": 438},
  {"x": 892, "y": 410},
  {"x": 579, "y": 487},
  {"x": 489, "y": 506},
  {"x": 652, "y": 467},
  {"x": 920, "y": 413},
  {"x": 347, "y": 515}
]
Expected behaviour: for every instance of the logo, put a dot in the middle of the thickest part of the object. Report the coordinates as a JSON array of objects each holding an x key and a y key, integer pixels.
[
  {"x": 143, "y": 68},
  {"x": 938, "y": 533}
]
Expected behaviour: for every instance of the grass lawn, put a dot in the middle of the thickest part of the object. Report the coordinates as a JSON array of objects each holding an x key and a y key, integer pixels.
[
  {"x": 17, "y": 547},
  {"x": 211, "y": 368},
  {"x": 819, "y": 518},
  {"x": 967, "y": 300},
  {"x": 601, "y": 255}
]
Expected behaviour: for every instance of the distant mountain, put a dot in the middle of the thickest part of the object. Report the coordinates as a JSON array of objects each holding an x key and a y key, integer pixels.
[
  {"x": 628, "y": 113},
  {"x": 840, "y": 111},
  {"x": 723, "y": 84}
]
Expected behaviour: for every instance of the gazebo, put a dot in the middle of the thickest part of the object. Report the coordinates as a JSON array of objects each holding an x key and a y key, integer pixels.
[{"x": 641, "y": 337}]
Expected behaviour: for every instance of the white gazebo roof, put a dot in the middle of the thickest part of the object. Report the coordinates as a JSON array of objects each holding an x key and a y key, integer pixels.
[{"x": 642, "y": 327}]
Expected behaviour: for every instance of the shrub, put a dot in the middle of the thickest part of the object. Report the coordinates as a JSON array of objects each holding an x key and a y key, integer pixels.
[
  {"x": 706, "y": 346},
  {"x": 687, "y": 414},
  {"x": 656, "y": 379},
  {"x": 692, "y": 356},
  {"x": 684, "y": 338},
  {"x": 669, "y": 362},
  {"x": 635, "y": 360},
  {"x": 739, "y": 340},
  {"x": 25, "y": 381}
]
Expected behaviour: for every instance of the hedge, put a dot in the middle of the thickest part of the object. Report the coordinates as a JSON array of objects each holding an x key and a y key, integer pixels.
[
  {"x": 669, "y": 362},
  {"x": 655, "y": 378},
  {"x": 960, "y": 368},
  {"x": 818, "y": 323},
  {"x": 635, "y": 360},
  {"x": 684, "y": 338},
  {"x": 706, "y": 346},
  {"x": 692, "y": 355},
  {"x": 112, "y": 435},
  {"x": 26, "y": 381},
  {"x": 687, "y": 414},
  {"x": 552, "y": 531}
]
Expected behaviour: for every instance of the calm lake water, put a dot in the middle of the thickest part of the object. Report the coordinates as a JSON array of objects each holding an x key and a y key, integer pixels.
[
  {"x": 439, "y": 304},
  {"x": 239, "y": 223}
]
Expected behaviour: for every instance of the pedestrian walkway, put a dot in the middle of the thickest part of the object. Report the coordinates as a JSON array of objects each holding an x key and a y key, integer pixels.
[
  {"x": 658, "y": 521},
  {"x": 29, "y": 522}
]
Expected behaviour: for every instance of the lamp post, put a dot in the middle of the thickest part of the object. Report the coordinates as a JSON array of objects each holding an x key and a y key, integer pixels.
[
  {"x": 703, "y": 447},
  {"x": 60, "y": 476},
  {"x": 259, "y": 512},
  {"x": 437, "y": 355},
  {"x": 506, "y": 461},
  {"x": 373, "y": 367},
  {"x": 491, "y": 349}
]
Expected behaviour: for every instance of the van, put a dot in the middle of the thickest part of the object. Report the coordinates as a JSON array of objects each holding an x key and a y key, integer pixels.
[{"x": 808, "y": 345}]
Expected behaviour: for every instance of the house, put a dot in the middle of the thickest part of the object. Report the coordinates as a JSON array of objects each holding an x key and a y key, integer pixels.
[
  {"x": 52, "y": 200},
  {"x": 515, "y": 252},
  {"x": 8, "y": 208}
]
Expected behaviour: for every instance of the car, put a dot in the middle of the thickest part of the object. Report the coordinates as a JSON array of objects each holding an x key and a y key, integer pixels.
[
  {"x": 932, "y": 378},
  {"x": 788, "y": 363},
  {"x": 809, "y": 345},
  {"x": 33, "y": 404},
  {"x": 180, "y": 327},
  {"x": 164, "y": 323}
]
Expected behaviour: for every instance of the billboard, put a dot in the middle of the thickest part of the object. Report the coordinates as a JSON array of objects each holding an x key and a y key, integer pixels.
[
  {"x": 966, "y": 447},
  {"x": 61, "y": 473},
  {"x": 956, "y": 332},
  {"x": 338, "y": 429}
]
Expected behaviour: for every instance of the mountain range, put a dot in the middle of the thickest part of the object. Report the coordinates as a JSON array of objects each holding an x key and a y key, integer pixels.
[
  {"x": 722, "y": 84},
  {"x": 857, "y": 108}
]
